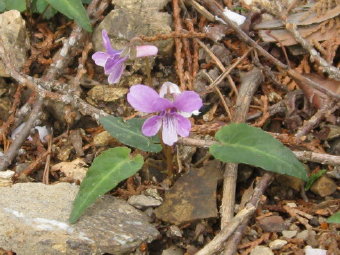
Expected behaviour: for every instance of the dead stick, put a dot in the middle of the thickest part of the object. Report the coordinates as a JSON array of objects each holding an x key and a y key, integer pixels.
[
  {"x": 178, "y": 43},
  {"x": 249, "y": 84},
  {"x": 240, "y": 219},
  {"x": 218, "y": 11}
]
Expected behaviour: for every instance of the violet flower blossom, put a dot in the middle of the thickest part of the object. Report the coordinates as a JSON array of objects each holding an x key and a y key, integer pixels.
[
  {"x": 173, "y": 108},
  {"x": 113, "y": 60}
]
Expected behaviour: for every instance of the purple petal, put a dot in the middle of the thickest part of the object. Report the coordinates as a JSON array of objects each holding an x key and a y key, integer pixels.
[
  {"x": 169, "y": 87},
  {"x": 100, "y": 58},
  {"x": 183, "y": 125},
  {"x": 107, "y": 43},
  {"x": 116, "y": 72},
  {"x": 146, "y": 99},
  {"x": 188, "y": 101},
  {"x": 111, "y": 63},
  {"x": 169, "y": 131},
  {"x": 152, "y": 125},
  {"x": 161, "y": 104},
  {"x": 146, "y": 50}
]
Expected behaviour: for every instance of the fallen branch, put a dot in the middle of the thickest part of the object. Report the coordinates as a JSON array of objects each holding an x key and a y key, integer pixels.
[{"x": 241, "y": 219}]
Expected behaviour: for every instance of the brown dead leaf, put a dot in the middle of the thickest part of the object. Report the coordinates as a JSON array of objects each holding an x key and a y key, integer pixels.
[{"x": 75, "y": 170}]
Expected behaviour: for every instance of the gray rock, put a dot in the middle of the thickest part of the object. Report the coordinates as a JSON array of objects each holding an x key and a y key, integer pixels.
[
  {"x": 142, "y": 201},
  {"x": 289, "y": 233},
  {"x": 15, "y": 41},
  {"x": 34, "y": 220},
  {"x": 277, "y": 244},
  {"x": 261, "y": 250},
  {"x": 132, "y": 18}
]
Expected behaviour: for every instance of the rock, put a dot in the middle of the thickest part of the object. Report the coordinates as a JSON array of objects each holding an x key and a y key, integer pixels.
[
  {"x": 142, "y": 201},
  {"x": 106, "y": 93},
  {"x": 192, "y": 197},
  {"x": 324, "y": 186},
  {"x": 6, "y": 178},
  {"x": 272, "y": 224},
  {"x": 289, "y": 233},
  {"x": 277, "y": 244},
  {"x": 34, "y": 220},
  {"x": 311, "y": 251},
  {"x": 132, "y": 18},
  {"x": 303, "y": 235},
  {"x": 173, "y": 250},
  {"x": 103, "y": 139},
  {"x": 174, "y": 231},
  {"x": 15, "y": 41},
  {"x": 261, "y": 250},
  {"x": 335, "y": 173}
]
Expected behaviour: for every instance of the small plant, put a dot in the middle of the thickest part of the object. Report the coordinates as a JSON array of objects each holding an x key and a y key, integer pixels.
[
  {"x": 73, "y": 9},
  {"x": 238, "y": 143}
]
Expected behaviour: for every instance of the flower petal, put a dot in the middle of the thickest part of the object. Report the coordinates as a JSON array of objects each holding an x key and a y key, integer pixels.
[
  {"x": 169, "y": 131},
  {"x": 111, "y": 63},
  {"x": 100, "y": 58},
  {"x": 107, "y": 43},
  {"x": 146, "y": 50},
  {"x": 188, "y": 101},
  {"x": 143, "y": 98},
  {"x": 169, "y": 87},
  {"x": 183, "y": 125},
  {"x": 116, "y": 72},
  {"x": 152, "y": 125}
]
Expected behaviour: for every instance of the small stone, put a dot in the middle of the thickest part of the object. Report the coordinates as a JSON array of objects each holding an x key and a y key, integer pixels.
[
  {"x": 311, "y": 251},
  {"x": 142, "y": 201},
  {"x": 324, "y": 186},
  {"x": 289, "y": 233},
  {"x": 175, "y": 231},
  {"x": 106, "y": 93},
  {"x": 277, "y": 244},
  {"x": 173, "y": 250},
  {"x": 6, "y": 178},
  {"x": 303, "y": 235},
  {"x": 14, "y": 37},
  {"x": 261, "y": 250},
  {"x": 103, "y": 139},
  {"x": 293, "y": 205},
  {"x": 272, "y": 224}
]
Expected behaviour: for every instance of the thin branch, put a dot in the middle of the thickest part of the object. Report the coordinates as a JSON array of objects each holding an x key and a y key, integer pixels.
[
  {"x": 333, "y": 72},
  {"x": 241, "y": 219}
]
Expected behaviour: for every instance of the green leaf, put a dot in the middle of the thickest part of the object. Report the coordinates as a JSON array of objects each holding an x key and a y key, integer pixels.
[
  {"x": 313, "y": 178},
  {"x": 241, "y": 143},
  {"x": 106, "y": 172},
  {"x": 335, "y": 218},
  {"x": 129, "y": 133},
  {"x": 19, "y": 5},
  {"x": 86, "y": 1},
  {"x": 73, "y": 9},
  {"x": 2, "y": 5},
  {"x": 43, "y": 7}
]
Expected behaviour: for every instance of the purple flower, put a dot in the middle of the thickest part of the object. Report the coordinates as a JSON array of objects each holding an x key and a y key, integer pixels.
[
  {"x": 173, "y": 108},
  {"x": 113, "y": 60}
]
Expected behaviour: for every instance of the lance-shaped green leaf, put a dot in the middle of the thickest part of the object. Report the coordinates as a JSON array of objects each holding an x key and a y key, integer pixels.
[
  {"x": 73, "y": 9},
  {"x": 129, "y": 133},
  {"x": 335, "y": 218},
  {"x": 19, "y": 5},
  {"x": 241, "y": 143},
  {"x": 107, "y": 170}
]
